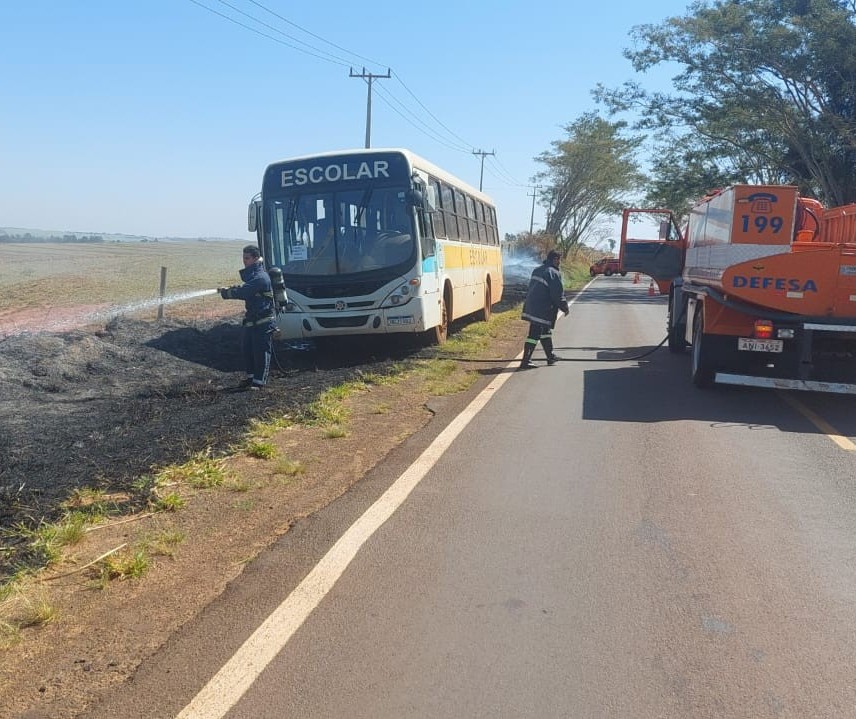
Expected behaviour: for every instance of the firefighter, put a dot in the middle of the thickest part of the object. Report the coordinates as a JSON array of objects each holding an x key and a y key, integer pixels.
[
  {"x": 544, "y": 299},
  {"x": 259, "y": 317}
]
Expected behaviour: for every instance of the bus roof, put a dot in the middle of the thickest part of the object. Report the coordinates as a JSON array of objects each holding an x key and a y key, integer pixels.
[{"x": 415, "y": 161}]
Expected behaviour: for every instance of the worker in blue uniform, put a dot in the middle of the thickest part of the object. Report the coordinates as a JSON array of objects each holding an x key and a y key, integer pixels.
[
  {"x": 259, "y": 317},
  {"x": 544, "y": 298}
]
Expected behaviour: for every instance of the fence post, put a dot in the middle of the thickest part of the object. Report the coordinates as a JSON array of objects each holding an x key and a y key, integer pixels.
[{"x": 162, "y": 292}]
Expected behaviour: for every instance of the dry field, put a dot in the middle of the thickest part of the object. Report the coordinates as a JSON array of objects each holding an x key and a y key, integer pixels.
[{"x": 46, "y": 286}]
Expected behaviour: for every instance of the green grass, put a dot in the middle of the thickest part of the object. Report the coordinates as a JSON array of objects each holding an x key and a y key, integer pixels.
[
  {"x": 443, "y": 377},
  {"x": 201, "y": 471},
  {"x": 19, "y": 610},
  {"x": 170, "y": 502},
  {"x": 267, "y": 427},
  {"x": 260, "y": 449},
  {"x": 48, "y": 539},
  {"x": 131, "y": 564}
]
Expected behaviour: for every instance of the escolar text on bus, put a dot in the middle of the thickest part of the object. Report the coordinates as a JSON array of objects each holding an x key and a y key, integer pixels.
[{"x": 335, "y": 173}]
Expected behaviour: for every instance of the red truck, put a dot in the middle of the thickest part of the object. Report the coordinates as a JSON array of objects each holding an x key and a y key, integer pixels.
[
  {"x": 761, "y": 285},
  {"x": 607, "y": 266}
]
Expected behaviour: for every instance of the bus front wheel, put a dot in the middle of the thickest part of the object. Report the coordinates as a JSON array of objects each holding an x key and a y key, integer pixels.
[{"x": 437, "y": 335}]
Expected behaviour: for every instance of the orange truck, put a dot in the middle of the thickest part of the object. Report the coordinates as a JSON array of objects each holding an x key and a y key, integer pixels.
[{"x": 761, "y": 285}]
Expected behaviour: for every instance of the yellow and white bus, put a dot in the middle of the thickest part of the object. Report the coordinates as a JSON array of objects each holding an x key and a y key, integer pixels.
[{"x": 376, "y": 241}]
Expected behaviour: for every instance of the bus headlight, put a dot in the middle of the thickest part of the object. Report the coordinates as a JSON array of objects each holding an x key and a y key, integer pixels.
[{"x": 398, "y": 296}]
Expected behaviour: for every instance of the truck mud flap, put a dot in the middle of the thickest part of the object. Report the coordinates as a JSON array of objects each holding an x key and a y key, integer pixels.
[{"x": 781, "y": 383}]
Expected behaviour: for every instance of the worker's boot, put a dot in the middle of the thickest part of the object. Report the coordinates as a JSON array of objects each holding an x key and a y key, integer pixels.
[
  {"x": 525, "y": 363},
  {"x": 552, "y": 357}
]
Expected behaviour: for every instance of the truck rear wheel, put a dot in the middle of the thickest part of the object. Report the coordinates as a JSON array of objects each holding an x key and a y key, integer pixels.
[
  {"x": 608, "y": 273},
  {"x": 703, "y": 372},
  {"x": 677, "y": 326}
]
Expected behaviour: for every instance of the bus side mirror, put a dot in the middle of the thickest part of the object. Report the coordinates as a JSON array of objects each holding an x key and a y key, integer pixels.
[
  {"x": 253, "y": 215},
  {"x": 415, "y": 198},
  {"x": 423, "y": 198}
]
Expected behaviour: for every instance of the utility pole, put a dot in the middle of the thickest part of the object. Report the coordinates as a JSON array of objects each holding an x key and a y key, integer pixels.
[
  {"x": 369, "y": 77},
  {"x": 482, "y": 153},
  {"x": 532, "y": 216}
]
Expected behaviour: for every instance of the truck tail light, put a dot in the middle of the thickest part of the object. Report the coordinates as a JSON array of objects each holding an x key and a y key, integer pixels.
[{"x": 763, "y": 329}]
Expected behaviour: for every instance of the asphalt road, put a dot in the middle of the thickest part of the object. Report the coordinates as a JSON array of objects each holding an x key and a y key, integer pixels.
[{"x": 601, "y": 540}]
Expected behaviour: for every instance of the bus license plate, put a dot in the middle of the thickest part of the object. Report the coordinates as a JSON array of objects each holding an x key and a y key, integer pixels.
[{"x": 752, "y": 345}]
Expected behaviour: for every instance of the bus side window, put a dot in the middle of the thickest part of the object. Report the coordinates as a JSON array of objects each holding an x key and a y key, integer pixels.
[
  {"x": 451, "y": 222},
  {"x": 438, "y": 217},
  {"x": 461, "y": 213},
  {"x": 482, "y": 230},
  {"x": 426, "y": 235},
  {"x": 425, "y": 225},
  {"x": 471, "y": 219}
]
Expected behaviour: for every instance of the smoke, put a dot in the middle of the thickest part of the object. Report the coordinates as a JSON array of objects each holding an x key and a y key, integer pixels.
[{"x": 517, "y": 268}]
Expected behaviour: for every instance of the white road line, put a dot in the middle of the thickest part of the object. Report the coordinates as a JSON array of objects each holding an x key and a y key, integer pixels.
[{"x": 230, "y": 683}]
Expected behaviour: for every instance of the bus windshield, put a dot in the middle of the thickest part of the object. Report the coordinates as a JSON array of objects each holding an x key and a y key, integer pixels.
[{"x": 321, "y": 232}]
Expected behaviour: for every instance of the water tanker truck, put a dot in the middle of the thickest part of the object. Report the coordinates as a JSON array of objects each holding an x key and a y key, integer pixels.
[{"x": 761, "y": 285}]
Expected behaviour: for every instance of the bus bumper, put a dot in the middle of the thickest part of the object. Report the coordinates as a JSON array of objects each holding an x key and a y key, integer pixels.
[{"x": 300, "y": 325}]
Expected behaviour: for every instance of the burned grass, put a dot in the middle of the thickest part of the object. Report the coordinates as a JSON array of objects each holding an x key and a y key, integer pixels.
[{"x": 99, "y": 409}]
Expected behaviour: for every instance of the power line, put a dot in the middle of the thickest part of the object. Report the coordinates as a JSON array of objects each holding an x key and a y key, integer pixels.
[
  {"x": 427, "y": 131},
  {"x": 322, "y": 54},
  {"x": 284, "y": 34},
  {"x": 503, "y": 168},
  {"x": 263, "y": 34},
  {"x": 501, "y": 174},
  {"x": 317, "y": 37},
  {"x": 468, "y": 144}
]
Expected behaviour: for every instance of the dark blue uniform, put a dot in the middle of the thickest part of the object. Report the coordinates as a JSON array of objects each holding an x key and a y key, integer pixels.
[
  {"x": 259, "y": 320},
  {"x": 544, "y": 299}
]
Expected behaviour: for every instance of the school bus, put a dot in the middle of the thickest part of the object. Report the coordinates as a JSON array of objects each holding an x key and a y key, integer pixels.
[{"x": 376, "y": 241}]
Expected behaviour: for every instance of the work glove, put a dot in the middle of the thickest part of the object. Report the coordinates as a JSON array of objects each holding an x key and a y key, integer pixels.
[
  {"x": 563, "y": 305},
  {"x": 224, "y": 292}
]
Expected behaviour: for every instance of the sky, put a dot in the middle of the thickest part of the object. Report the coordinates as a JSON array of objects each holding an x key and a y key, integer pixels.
[{"x": 158, "y": 117}]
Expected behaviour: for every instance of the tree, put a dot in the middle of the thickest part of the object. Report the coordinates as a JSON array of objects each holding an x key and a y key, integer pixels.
[
  {"x": 588, "y": 175},
  {"x": 766, "y": 94}
]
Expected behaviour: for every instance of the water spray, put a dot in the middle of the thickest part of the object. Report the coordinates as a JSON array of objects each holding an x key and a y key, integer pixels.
[
  {"x": 102, "y": 315},
  {"x": 112, "y": 312}
]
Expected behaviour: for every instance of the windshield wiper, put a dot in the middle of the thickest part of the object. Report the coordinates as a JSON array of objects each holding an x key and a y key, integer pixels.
[{"x": 362, "y": 207}]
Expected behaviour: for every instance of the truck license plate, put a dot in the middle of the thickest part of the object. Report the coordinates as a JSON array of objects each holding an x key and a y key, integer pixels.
[{"x": 752, "y": 345}]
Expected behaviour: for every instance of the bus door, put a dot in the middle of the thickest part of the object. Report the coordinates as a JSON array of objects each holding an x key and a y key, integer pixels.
[{"x": 431, "y": 252}]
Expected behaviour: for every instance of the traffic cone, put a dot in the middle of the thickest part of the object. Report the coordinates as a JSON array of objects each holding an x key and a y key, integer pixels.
[
  {"x": 636, "y": 279},
  {"x": 651, "y": 291}
]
